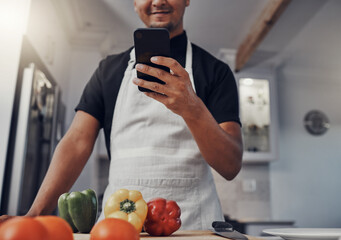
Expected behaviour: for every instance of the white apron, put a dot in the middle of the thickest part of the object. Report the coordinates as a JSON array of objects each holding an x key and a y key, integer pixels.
[{"x": 153, "y": 151}]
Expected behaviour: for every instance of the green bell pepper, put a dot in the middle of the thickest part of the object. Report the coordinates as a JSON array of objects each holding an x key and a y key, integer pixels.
[{"x": 79, "y": 209}]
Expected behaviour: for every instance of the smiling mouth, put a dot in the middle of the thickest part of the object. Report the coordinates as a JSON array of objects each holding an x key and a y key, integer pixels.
[{"x": 163, "y": 12}]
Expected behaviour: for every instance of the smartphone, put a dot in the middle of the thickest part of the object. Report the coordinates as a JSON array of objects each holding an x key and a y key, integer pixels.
[{"x": 151, "y": 42}]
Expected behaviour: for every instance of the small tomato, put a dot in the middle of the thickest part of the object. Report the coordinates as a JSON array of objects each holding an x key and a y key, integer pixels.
[
  {"x": 57, "y": 227},
  {"x": 20, "y": 228},
  {"x": 114, "y": 229}
]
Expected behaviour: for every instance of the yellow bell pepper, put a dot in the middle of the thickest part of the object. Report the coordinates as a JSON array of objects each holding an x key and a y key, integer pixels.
[{"x": 127, "y": 205}]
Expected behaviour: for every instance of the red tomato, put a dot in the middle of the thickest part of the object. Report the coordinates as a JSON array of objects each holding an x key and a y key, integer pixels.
[
  {"x": 114, "y": 229},
  {"x": 4, "y": 218},
  {"x": 20, "y": 228},
  {"x": 57, "y": 227}
]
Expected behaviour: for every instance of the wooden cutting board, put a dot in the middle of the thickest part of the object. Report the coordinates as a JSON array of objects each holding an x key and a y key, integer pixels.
[{"x": 185, "y": 235}]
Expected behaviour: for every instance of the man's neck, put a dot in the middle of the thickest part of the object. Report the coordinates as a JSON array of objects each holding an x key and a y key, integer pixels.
[{"x": 176, "y": 32}]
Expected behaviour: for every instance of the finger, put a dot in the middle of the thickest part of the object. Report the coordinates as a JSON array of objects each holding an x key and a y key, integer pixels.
[
  {"x": 155, "y": 72},
  {"x": 157, "y": 96},
  {"x": 171, "y": 63},
  {"x": 156, "y": 87}
]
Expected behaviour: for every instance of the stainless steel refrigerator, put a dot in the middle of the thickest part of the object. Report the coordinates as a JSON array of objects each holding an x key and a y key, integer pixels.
[{"x": 38, "y": 128}]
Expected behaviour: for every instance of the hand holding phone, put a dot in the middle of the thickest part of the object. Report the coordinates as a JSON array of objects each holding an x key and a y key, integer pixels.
[{"x": 151, "y": 42}]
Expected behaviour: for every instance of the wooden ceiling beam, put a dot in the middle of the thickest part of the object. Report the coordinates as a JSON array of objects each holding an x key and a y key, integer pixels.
[{"x": 262, "y": 26}]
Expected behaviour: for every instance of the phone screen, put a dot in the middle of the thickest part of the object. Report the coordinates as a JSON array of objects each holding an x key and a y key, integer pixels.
[{"x": 151, "y": 42}]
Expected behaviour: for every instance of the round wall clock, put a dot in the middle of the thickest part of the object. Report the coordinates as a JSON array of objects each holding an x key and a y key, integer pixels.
[{"x": 316, "y": 122}]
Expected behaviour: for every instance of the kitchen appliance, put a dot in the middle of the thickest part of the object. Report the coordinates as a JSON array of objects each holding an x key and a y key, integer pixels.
[{"x": 38, "y": 128}]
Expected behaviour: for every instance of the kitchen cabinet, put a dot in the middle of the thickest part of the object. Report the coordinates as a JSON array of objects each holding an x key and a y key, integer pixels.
[{"x": 258, "y": 114}]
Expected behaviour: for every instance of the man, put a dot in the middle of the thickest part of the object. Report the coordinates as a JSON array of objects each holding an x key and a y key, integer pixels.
[{"x": 160, "y": 143}]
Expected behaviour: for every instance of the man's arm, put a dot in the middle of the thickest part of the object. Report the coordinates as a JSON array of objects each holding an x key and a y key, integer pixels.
[
  {"x": 220, "y": 144},
  {"x": 68, "y": 161}
]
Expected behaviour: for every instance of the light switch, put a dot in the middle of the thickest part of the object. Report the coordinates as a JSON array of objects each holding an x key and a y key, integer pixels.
[{"x": 249, "y": 185}]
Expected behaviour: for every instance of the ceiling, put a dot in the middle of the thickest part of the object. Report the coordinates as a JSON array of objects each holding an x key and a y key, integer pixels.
[{"x": 213, "y": 24}]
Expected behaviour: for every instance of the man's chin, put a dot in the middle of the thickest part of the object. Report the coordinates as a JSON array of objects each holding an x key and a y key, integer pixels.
[{"x": 166, "y": 25}]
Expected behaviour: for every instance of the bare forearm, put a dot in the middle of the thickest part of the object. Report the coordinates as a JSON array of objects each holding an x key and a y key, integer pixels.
[
  {"x": 66, "y": 165},
  {"x": 221, "y": 150}
]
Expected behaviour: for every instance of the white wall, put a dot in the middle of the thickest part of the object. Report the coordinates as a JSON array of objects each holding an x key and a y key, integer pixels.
[
  {"x": 13, "y": 23},
  {"x": 240, "y": 203},
  {"x": 84, "y": 63},
  {"x": 305, "y": 181}
]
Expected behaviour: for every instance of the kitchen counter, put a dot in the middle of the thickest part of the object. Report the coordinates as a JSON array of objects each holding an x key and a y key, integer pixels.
[
  {"x": 186, "y": 235},
  {"x": 255, "y": 227}
]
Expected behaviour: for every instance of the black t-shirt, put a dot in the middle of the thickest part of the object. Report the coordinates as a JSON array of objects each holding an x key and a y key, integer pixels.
[{"x": 214, "y": 84}]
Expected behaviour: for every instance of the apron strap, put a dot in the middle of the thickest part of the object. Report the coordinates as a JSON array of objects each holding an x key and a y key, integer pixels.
[
  {"x": 132, "y": 60},
  {"x": 189, "y": 61}
]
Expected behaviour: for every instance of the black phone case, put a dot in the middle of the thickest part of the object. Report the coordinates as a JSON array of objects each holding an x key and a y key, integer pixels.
[{"x": 151, "y": 42}]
